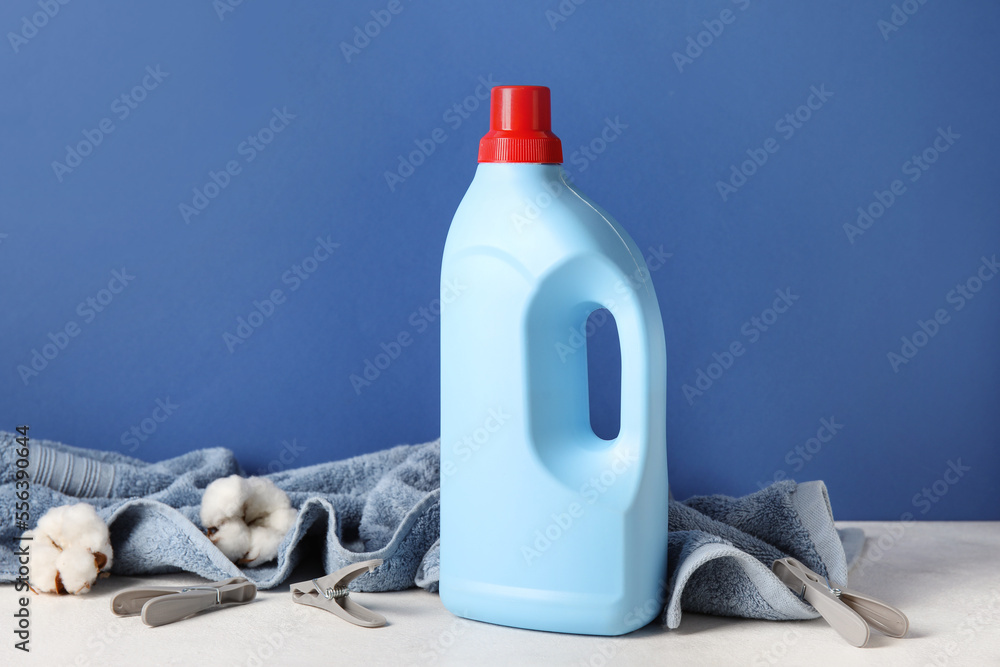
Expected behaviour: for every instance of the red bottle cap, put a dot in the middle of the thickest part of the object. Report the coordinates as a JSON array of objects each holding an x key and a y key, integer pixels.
[{"x": 520, "y": 127}]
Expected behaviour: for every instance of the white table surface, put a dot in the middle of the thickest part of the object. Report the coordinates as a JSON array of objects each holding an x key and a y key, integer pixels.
[{"x": 944, "y": 576}]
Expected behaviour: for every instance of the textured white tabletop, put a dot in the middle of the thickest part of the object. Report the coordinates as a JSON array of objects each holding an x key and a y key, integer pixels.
[{"x": 944, "y": 576}]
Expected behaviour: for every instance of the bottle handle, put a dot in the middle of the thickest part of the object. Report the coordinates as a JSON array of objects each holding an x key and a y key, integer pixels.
[{"x": 643, "y": 365}]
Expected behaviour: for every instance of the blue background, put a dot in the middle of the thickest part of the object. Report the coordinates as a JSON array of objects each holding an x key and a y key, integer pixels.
[{"x": 284, "y": 397}]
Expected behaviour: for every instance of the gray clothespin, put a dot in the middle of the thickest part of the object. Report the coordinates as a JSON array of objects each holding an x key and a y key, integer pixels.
[
  {"x": 159, "y": 605},
  {"x": 330, "y": 593},
  {"x": 849, "y": 612}
]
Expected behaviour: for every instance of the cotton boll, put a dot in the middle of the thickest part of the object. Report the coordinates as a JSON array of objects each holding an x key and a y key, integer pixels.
[
  {"x": 232, "y": 538},
  {"x": 83, "y": 529},
  {"x": 224, "y": 499},
  {"x": 43, "y": 561},
  {"x": 70, "y": 548},
  {"x": 267, "y": 534},
  {"x": 280, "y": 520},
  {"x": 247, "y": 518},
  {"x": 264, "y": 544},
  {"x": 76, "y": 570},
  {"x": 263, "y": 499}
]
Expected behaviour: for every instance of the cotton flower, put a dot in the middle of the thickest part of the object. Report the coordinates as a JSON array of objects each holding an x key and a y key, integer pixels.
[
  {"x": 69, "y": 549},
  {"x": 246, "y": 518}
]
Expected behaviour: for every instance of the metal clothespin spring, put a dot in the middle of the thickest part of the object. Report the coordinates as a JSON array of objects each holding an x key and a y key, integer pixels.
[
  {"x": 218, "y": 595},
  {"x": 332, "y": 593}
]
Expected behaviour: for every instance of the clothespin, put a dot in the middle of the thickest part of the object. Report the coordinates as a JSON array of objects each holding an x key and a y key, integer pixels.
[
  {"x": 330, "y": 593},
  {"x": 850, "y": 613},
  {"x": 160, "y": 605}
]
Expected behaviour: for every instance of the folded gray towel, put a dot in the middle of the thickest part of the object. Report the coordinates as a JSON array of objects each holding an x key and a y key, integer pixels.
[
  {"x": 385, "y": 505},
  {"x": 720, "y": 551}
]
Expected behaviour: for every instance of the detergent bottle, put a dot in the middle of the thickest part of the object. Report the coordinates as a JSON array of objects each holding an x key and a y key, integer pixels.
[{"x": 545, "y": 525}]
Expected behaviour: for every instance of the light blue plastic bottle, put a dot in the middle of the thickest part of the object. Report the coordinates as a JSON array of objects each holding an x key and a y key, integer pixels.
[{"x": 544, "y": 525}]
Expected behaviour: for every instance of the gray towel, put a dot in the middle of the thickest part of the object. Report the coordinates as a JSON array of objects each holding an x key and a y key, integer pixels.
[
  {"x": 382, "y": 505},
  {"x": 720, "y": 551},
  {"x": 385, "y": 505}
]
